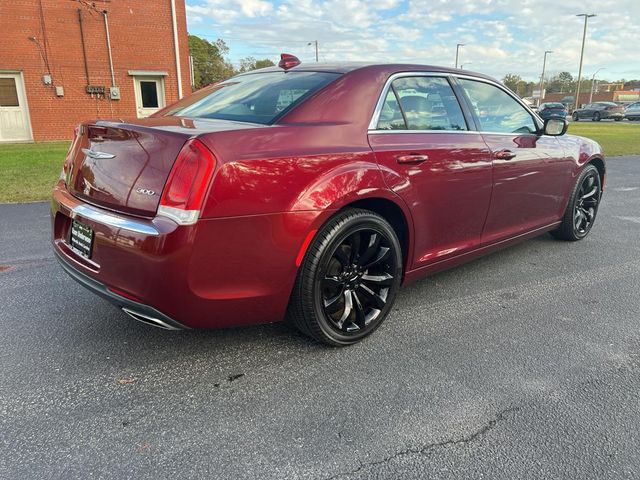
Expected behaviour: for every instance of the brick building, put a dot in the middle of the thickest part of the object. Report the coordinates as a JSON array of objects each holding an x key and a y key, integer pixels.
[{"x": 65, "y": 61}]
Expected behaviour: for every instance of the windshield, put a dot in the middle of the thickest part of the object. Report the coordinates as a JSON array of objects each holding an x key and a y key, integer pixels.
[{"x": 255, "y": 98}]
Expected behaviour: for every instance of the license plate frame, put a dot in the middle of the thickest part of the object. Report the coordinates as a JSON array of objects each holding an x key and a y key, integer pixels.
[{"x": 81, "y": 239}]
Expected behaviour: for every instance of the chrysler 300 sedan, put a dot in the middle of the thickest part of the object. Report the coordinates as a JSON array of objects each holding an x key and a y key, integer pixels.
[{"x": 312, "y": 193}]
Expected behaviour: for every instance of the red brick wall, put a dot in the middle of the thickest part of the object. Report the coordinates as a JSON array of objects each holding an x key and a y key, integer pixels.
[
  {"x": 584, "y": 97},
  {"x": 141, "y": 39}
]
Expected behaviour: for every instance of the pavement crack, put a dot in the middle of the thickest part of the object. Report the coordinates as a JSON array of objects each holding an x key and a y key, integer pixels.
[{"x": 428, "y": 448}]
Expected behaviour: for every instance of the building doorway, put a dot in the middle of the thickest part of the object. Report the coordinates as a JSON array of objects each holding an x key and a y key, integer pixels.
[
  {"x": 14, "y": 114},
  {"x": 149, "y": 95}
]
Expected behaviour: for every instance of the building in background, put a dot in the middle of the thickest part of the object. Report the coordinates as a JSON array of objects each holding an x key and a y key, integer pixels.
[{"x": 66, "y": 61}]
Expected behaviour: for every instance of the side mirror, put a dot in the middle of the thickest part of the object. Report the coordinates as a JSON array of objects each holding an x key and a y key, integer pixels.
[{"x": 555, "y": 126}]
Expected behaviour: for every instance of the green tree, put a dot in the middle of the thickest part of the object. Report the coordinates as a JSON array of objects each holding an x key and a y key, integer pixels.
[
  {"x": 249, "y": 63},
  {"x": 514, "y": 82},
  {"x": 561, "y": 83},
  {"x": 209, "y": 62}
]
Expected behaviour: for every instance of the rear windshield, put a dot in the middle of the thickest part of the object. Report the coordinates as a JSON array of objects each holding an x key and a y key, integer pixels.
[
  {"x": 255, "y": 98},
  {"x": 555, "y": 105}
]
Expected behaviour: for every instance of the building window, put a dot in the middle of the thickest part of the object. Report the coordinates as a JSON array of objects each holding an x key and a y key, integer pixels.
[
  {"x": 8, "y": 93},
  {"x": 149, "y": 93}
]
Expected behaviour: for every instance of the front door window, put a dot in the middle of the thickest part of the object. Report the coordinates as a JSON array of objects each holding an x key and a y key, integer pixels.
[{"x": 496, "y": 110}]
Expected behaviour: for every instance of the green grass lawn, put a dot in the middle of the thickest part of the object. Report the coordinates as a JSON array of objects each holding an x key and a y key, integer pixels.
[
  {"x": 28, "y": 171},
  {"x": 616, "y": 138}
]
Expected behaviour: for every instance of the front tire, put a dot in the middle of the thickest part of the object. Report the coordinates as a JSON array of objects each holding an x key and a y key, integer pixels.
[
  {"x": 348, "y": 280},
  {"x": 575, "y": 116},
  {"x": 596, "y": 117},
  {"x": 583, "y": 206}
]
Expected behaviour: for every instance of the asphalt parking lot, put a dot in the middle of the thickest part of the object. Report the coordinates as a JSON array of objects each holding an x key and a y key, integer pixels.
[{"x": 524, "y": 364}]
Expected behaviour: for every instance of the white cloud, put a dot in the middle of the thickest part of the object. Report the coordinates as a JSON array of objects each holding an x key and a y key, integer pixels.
[{"x": 500, "y": 35}]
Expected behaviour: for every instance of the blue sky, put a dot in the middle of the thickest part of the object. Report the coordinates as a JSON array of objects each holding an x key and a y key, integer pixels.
[{"x": 500, "y": 36}]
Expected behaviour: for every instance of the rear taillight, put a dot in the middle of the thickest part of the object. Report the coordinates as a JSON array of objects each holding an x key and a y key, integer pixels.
[
  {"x": 188, "y": 182},
  {"x": 68, "y": 161}
]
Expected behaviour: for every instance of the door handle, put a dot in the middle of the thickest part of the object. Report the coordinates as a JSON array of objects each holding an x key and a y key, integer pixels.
[
  {"x": 504, "y": 154},
  {"x": 412, "y": 158}
]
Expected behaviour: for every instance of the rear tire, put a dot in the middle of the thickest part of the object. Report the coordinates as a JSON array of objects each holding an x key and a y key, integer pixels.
[
  {"x": 596, "y": 117},
  {"x": 348, "y": 280},
  {"x": 582, "y": 207}
]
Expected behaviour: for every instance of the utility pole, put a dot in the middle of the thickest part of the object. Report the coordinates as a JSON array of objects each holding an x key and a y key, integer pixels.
[
  {"x": 586, "y": 16},
  {"x": 458, "y": 51},
  {"x": 544, "y": 66},
  {"x": 593, "y": 78},
  {"x": 316, "y": 44}
]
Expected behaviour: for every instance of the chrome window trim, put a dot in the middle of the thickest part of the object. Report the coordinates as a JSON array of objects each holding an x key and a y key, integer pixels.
[
  {"x": 381, "y": 131},
  {"x": 373, "y": 124},
  {"x": 116, "y": 221}
]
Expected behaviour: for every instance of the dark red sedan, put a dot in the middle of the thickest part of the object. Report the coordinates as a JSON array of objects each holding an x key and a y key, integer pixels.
[{"x": 312, "y": 192}]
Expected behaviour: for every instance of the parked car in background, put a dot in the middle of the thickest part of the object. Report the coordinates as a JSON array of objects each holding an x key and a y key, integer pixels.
[
  {"x": 599, "y": 111},
  {"x": 546, "y": 110},
  {"x": 632, "y": 112},
  {"x": 262, "y": 196}
]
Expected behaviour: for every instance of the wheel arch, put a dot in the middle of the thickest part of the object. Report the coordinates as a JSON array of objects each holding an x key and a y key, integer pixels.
[
  {"x": 393, "y": 214},
  {"x": 601, "y": 166}
]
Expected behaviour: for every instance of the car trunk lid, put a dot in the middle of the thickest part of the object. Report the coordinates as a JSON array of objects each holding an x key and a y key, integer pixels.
[
  {"x": 124, "y": 166},
  {"x": 615, "y": 109}
]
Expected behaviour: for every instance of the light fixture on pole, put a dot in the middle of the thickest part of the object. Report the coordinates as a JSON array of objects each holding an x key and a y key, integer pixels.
[
  {"x": 316, "y": 44},
  {"x": 593, "y": 79},
  {"x": 458, "y": 51},
  {"x": 463, "y": 64},
  {"x": 544, "y": 66},
  {"x": 586, "y": 16}
]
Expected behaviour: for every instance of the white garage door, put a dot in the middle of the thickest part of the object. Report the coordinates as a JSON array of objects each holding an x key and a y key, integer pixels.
[{"x": 14, "y": 117}]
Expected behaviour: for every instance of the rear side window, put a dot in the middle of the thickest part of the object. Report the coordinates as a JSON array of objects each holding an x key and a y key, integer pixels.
[
  {"x": 497, "y": 111},
  {"x": 421, "y": 103},
  {"x": 255, "y": 98}
]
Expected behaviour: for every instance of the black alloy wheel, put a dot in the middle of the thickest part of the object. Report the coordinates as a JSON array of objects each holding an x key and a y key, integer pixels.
[
  {"x": 583, "y": 206},
  {"x": 356, "y": 280},
  {"x": 575, "y": 116},
  {"x": 586, "y": 203},
  {"x": 596, "y": 117},
  {"x": 348, "y": 280}
]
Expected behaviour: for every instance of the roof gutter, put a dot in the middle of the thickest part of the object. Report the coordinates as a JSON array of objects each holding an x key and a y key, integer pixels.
[{"x": 177, "y": 47}]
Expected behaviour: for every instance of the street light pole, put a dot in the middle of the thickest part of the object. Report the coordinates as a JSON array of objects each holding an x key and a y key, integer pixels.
[
  {"x": 586, "y": 16},
  {"x": 593, "y": 78},
  {"x": 316, "y": 44},
  {"x": 544, "y": 66},
  {"x": 463, "y": 64},
  {"x": 458, "y": 51}
]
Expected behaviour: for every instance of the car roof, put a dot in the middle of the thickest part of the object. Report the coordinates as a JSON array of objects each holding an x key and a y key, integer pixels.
[{"x": 375, "y": 68}]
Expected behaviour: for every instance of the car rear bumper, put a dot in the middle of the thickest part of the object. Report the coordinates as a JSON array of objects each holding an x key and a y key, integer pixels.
[
  {"x": 216, "y": 273},
  {"x": 138, "y": 311}
]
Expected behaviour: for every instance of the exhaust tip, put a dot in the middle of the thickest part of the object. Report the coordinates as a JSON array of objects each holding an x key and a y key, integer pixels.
[{"x": 155, "y": 322}]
